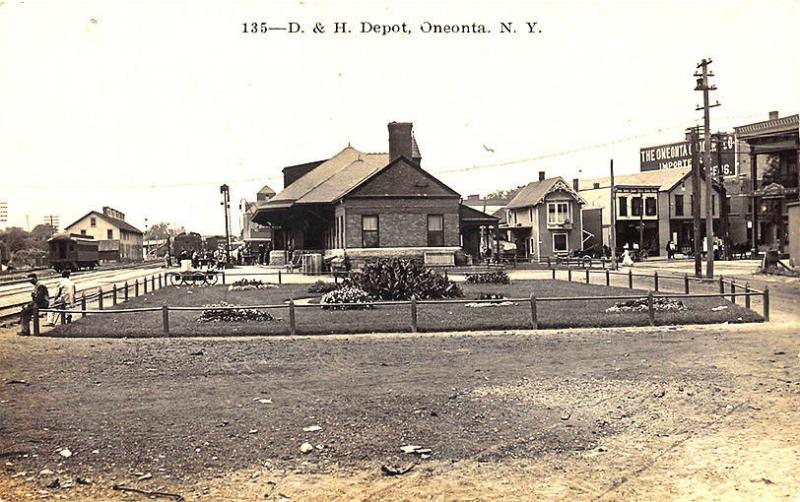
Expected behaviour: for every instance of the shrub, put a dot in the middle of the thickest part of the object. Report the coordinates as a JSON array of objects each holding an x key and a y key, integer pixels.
[
  {"x": 339, "y": 298},
  {"x": 497, "y": 277},
  {"x": 248, "y": 284},
  {"x": 398, "y": 279},
  {"x": 322, "y": 287},
  {"x": 213, "y": 313}
]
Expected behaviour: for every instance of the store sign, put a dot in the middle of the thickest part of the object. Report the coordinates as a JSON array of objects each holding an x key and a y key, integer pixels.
[{"x": 676, "y": 155}]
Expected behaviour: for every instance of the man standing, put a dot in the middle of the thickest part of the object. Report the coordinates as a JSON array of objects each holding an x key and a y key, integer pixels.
[
  {"x": 63, "y": 299},
  {"x": 40, "y": 298}
]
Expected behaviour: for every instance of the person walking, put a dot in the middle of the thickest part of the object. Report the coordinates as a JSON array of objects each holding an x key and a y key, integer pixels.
[
  {"x": 63, "y": 299},
  {"x": 40, "y": 298}
]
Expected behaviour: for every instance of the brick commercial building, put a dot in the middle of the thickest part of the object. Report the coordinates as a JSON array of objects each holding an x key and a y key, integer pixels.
[
  {"x": 367, "y": 205},
  {"x": 118, "y": 239},
  {"x": 769, "y": 153}
]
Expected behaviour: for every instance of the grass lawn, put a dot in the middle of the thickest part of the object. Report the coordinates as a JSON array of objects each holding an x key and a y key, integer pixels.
[{"x": 451, "y": 317}]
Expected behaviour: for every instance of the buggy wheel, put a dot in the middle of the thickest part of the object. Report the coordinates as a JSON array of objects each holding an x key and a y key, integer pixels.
[
  {"x": 211, "y": 279},
  {"x": 174, "y": 279},
  {"x": 587, "y": 261}
]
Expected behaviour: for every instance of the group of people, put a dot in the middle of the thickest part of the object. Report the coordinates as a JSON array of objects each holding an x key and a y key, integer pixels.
[
  {"x": 63, "y": 299},
  {"x": 215, "y": 259}
]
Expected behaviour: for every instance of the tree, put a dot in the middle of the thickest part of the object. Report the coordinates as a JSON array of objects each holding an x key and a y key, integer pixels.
[
  {"x": 505, "y": 194},
  {"x": 41, "y": 233},
  {"x": 162, "y": 231},
  {"x": 16, "y": 239}
]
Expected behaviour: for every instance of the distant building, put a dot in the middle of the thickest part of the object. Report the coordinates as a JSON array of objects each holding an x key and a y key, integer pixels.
[
  {"x": 118, "y": 239},
  {"x": 253, "y": 232},
  {"x": 544, "y": 219},
  {"x": 652, "y": 208},
  {"x": 52, "y": 220}
]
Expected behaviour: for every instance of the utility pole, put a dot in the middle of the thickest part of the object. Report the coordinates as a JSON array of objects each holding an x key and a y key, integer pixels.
[
  {"x": 641, "y": 225},
  {"x": 697, "y": 248},
  {"x": 226, "y": 205},
  {"x": 703, "y": 85},
  {"x": 612, "y": 238}
]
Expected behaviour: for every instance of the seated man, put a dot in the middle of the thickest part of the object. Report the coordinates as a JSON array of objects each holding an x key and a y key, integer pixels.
[{"x": 40, "y": 298}]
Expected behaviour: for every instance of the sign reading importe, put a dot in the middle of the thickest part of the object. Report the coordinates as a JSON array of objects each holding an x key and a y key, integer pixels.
[{"x": 676, "y": 155}]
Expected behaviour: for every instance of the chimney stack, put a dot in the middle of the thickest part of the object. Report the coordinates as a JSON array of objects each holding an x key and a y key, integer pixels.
[
  {"x": 575, "y": 184},
  {"x": 541, "y": 175},
  {"x": 400, "y": 140},
  {"x": 773, "y": 115}
]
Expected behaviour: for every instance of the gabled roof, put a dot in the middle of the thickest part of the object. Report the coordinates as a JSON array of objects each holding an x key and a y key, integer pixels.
[
  {"x": 663, "y": 179},
  {"x": 266, "y": 189},
  {"x": 467, "y": 213},
  {"x": 535, "y": 192},
  {"x": 121, "y": 224},
  {"x": 333, "y": 178}
]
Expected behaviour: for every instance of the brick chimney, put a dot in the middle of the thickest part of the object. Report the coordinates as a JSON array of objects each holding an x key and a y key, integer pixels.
[
  {"x": 575, "y": 184},
  {"x": 400, "y": 140},
  {"x": 773, "y": 115},
  {"x": 541, "y": 175}
]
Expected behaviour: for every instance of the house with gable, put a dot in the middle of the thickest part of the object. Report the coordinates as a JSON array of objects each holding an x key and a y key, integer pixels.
[
  {"x": 544, "y": 219},
  {"x": 368, "y": 205}
]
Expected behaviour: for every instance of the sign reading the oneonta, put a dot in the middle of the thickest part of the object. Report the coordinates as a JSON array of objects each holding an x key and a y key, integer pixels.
[{"x": 673, "y": 155}]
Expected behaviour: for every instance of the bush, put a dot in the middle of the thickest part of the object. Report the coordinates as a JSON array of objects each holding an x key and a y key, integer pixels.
[
  {"x": 399, "y": 279},
  {"x": 322, "y": 287},
  {"x": 498, "y": 277},
  {"x": 248, "y": 284},
  {"x": 339, "y": 298}
]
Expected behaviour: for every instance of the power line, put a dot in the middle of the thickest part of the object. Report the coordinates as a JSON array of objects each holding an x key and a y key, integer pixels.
[{"x": 563, "y": 153}]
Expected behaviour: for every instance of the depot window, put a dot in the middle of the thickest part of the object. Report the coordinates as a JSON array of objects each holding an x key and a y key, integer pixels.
[
  {"x": 435, "y": 230},
  {"x": 370, "y": 237},
  {"x": 623, "y": 206},
  {"x": 636, "y": 206},
  {"x": 560, "y": 242}
]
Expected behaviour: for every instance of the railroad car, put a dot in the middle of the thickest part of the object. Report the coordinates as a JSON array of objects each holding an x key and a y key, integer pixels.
[
  {"x": 187, "y": 241},
  {"x": 72, "y": 252}
]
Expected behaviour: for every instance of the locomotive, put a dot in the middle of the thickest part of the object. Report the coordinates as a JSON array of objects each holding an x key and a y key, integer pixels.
[{"x": 72, "y": 252}]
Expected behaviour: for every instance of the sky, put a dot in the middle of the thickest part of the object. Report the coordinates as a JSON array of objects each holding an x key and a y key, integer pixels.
[{"x": 148, "y": 107}]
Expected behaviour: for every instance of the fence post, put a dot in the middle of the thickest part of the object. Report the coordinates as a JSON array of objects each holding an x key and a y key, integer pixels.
[
  {"x": 160, "y": 284},
  {"x": 36, "y": 320},
  {"x": 280, "y": 280},
  {"x": 292, "y": 327},
  {"x": 145, "y": 285},
  {"x": 83, "y": 305},
  {"x": 554, "y": 273},
  {"x": 630, "y": 279},
  {"x": 100, "y": 298},
  {"x": 766, "y": 304},
  {"x": 608, "y": 278},
  {"x": 721, "y": 286},
  {"x": 655, "y": 281},
  {"x": 413, "y": 315},
  {"x": 686, "y": 283},
  {"x": 63, "y": 315},
  {"x": 733, "y": 292},
  {"x": 587, "y": 276},
  {"x": 165, "y": 317},
  {"x": 136, "y": 288},
  {"x": 651, "y": 314},
  {"x": 113, "y": 294},
  {"x": 126, "y": 291},
  {"x": 534, "y": 313},
  {"x": 549, "y": 265},
  {"x": 223, "y": 277},
  {"x": 747, "y": 293},
  {"x": 569, "y": 273}
]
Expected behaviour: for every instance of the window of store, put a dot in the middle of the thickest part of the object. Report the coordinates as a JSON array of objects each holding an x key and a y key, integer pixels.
[
  {"x": 650, "y": 206},
  {"x": 435, "y": 230},
  {"x": 109, "y": 234},
  {"x": 636, "y": 206},
  {"x": 678, "y": 205},
  {"x": 623, "y": 206},
  {"x": 370, "y": 234}
]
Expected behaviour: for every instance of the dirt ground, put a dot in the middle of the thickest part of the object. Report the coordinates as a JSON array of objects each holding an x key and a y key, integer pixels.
[{"x": 625, "y": 414}]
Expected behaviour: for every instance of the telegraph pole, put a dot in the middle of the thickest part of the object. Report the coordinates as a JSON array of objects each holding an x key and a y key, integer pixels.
[
  {"x": 724, "y": 210},
  {"x": 697, "y": 248},
  {"x": 703, "y": 85},
  {"x": 226, "y": 199},
  {"x": 612, "y": 238}
]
